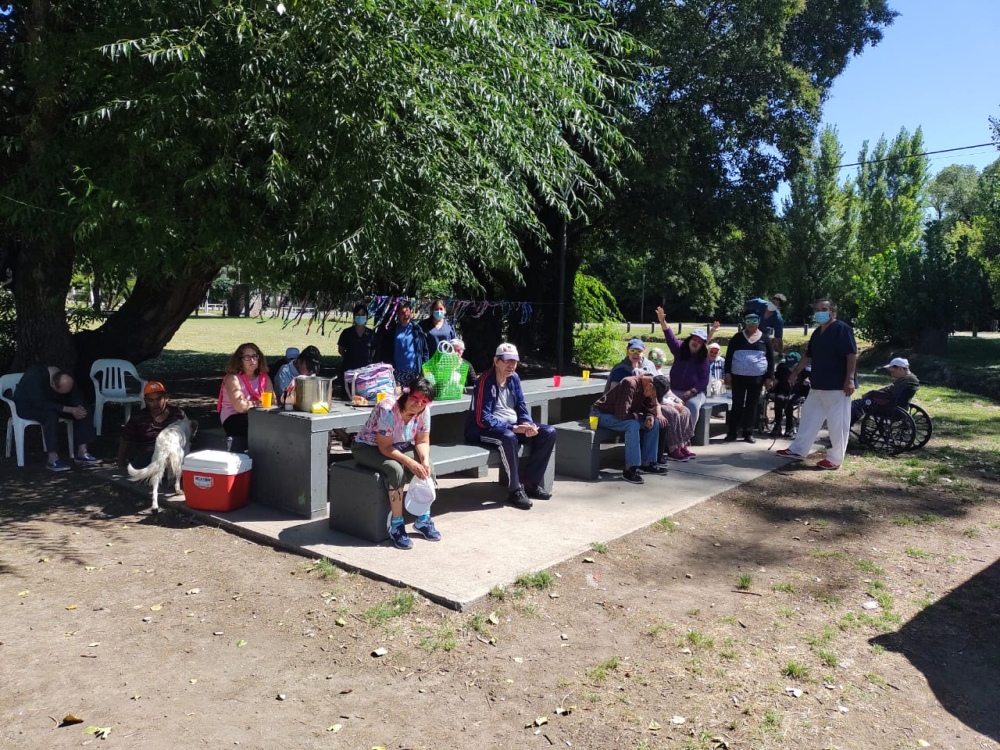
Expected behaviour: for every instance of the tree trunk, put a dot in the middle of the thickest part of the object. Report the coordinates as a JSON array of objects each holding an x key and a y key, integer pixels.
[
  {"x": 933, "y": 341},
  {"x": 41, "y": 280},
  {"x": 95, "y": 290},
  {"x": 147, "y": 320}
]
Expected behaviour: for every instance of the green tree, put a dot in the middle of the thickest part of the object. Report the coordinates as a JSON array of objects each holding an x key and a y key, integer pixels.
[
  {"x": 819, "y": 218},
  {"x": 953, "y": 193},
  {"x": 338, "y": 151}
]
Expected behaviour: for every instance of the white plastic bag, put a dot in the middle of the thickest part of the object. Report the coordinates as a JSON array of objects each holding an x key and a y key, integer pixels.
[{"x": 420, "y": 496}]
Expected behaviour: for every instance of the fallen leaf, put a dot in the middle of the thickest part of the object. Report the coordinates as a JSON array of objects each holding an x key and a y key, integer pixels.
[
  {"x": 70, "y": 719},
  {"x": 335, "y": 728},
  {"x": 192, "y": 591},
  {"x": 565, "y": 710},
  {"x": 156, "y": 607},
  {"x": 70, "y": 606},
  {"x": 493, "y": 618},
  {"x": 94, "y": 645},
  {"x": 99, "y": 732},
  {"x": 188, "y": 551},
  {"x": 71, "y": 633},
  {"x": 341, "y": 622},
  {"x": 44, "y": 559},
  {"x": 89, "y": 567},
  {"x": 518, "y": 659},
  {"x": 655, "y": 726},
  {"x": 588, "y": 559},
  {"x": 923, "y": 743},
  {"x": 538, "y": 722},
  {"x": 23, "y": 593},
  {"x": 110, "y": 544},
  {"x": 193, "y": 681},
  {"x": 677, "y": 720},
  {"x": 794, "y": 691},
  {"x": 136, "y": 697},
  {"x": 240, "y": 643}
]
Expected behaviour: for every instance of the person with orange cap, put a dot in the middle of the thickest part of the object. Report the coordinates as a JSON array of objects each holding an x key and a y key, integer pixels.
[{"x": 140, "y": 432}]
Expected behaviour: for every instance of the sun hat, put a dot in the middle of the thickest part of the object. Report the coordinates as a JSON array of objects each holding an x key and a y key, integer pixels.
[
  {"x": 507, "y": 352},
  {"x": 780, "y": 297},
  {"x": 715, "y": 345},
  {"x": 154, "y": 386},
  {"x": 700, "y": 333},
  {"x": 897, "y": 362},
  {"x": 637, "y": 344},
  {"x": 291, "y": 353}
]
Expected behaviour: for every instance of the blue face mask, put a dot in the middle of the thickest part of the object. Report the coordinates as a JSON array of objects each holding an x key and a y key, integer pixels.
[
  {"x": 821, "y": 316},
  {"x": 360, "y": 320},
  {"x": 438, "y": 314}
]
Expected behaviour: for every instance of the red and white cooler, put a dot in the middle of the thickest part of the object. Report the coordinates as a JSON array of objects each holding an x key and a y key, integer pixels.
[{"x": 216, "y": 480}]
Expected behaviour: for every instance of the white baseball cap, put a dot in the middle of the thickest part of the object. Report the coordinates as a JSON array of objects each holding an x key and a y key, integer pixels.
[
  {"x": 507, "y": 352},
  {"x": 700, "y": 333},
  {"x": 898, "y": 362}
]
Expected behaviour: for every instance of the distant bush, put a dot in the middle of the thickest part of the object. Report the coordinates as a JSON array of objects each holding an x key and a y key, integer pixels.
[
  {"x": 593, "y": 301},
  {"x": 598, "y": 346}
]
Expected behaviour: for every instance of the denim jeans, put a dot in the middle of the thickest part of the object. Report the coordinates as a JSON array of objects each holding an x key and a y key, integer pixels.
[{"x": 640, "y": 444}]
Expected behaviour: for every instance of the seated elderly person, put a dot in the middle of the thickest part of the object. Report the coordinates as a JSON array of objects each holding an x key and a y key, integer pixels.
[
  {"x": 635, "y": 363},
  {"x": 46, "y": 394},
  {"x": 632, "y": 407},
  {"x": 676, "y": 428},
  {"x": 903, "y": 387},
  {"x": 459, "y": 346},
  {"x": 499, "y": 417},
  {"x": 140, "y": 432},
  {"x": 307, "y": 363}
]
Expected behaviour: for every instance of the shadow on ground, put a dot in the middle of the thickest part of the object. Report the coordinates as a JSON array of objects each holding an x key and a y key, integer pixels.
[{"x": 954, "y": 644}]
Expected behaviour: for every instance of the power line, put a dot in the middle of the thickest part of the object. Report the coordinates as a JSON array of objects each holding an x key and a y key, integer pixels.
[{"x": 911, "y": 156}]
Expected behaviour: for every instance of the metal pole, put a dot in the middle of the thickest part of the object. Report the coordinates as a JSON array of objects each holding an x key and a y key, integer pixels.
[
  {"x": 642, "y": 298},
  {"x": 561, "y": 333}
]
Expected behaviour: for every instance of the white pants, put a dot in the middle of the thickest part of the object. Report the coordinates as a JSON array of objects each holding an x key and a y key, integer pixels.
[{"x": 833, "y": 407}]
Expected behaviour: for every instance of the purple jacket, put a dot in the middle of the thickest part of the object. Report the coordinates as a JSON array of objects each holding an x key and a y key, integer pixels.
[{"x": 686, "y": 373}]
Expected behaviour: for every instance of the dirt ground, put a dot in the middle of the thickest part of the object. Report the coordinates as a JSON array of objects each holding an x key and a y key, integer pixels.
[{"x": 867, "y": 619}]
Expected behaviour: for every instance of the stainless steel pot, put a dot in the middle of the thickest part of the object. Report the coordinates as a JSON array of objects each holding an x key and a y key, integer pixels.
[{"x": 310, "y": 390}]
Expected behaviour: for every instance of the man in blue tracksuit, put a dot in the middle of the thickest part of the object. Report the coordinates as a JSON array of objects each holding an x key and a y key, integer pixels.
[{"x": 499, "y": 417}]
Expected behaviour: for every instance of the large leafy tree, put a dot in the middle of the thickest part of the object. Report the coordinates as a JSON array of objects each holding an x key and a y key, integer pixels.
[{"x": 341, "y": 146}]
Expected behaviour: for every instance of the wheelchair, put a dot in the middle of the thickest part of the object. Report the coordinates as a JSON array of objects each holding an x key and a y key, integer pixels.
[
  {"x": 894, "y": 429},
  {"x": 767, "y": 413}
]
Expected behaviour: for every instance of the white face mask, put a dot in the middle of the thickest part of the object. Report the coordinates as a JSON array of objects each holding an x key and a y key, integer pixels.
[{"x": 772, "y": 307}]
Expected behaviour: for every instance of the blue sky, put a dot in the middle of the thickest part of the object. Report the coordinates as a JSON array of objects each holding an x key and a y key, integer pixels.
[{"x": 935, "y": 68}]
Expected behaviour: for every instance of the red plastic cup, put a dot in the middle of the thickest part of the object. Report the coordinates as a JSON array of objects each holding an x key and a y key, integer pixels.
[{"x": 557, "y": 380}]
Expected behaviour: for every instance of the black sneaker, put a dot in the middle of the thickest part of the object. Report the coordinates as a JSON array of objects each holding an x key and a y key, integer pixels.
[
  {"x": 729, "y": 438},
  {"x": 749, "y": 438},
  {"x": 631, "y": 474},
  {"x": 535, "y": 491},
  {"x": 653, "y": 469},
  {"x": 519, "y": 499}
]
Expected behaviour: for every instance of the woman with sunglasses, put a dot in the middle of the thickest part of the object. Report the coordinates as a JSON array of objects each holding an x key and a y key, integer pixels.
[
  {"x": 749, "y": 364},
  {"x": 396, "y": 441},
  {"x": 689, "y": 372},
  {"x": 246, "y": 379}
]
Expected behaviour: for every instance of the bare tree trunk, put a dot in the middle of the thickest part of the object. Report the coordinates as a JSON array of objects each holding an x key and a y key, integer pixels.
[
  {"x": 41, "y": 279},
  {"x": 148, "y": 319}
]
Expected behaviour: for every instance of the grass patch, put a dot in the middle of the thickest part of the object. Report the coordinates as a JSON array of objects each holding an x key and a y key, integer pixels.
[
  {"x": 827, "y": 657},
  {"x": 771, "y": 722},
  {"x": 665, "y": 524},
  {"x": 443, "y": 639},
  {"x": 599, "y": 547},
  {"x": 924, "y": 519},
  {"x": 828, "y": 598},
  {"x": 869, "y": 567},
  {"x": 796, "y": 670},
  {"x": 819, "y": 554},
  {"x": 915, "y": 552},
  {"x": 878, "y": 649},
  {"x": 401, "y": 604},
  {"x": 660, "y": 627},
  {"x": 972, "y": 532},
  {"x": 824, "y": 638},
  {"x": 787, "y": 612},
  {"x": 744, "y": 582},
  {"x": 541, "y": 580},
  {"x": 600, "y": 672},
  {"x": 326, "y": 568},
  {"x": 477, "y": 623},
  {"x": 499, "y": 593},
  {"x": 784, "y": 587},
  {"x": 698, "y": 640}
]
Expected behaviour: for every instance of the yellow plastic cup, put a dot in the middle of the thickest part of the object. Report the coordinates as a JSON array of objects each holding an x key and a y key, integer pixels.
[
  {"x": 593, "y": 422},
  {"x": 586, "y": 374},
  {"x": 265, "y": 399},
  {"x": 379, "y": 396}
]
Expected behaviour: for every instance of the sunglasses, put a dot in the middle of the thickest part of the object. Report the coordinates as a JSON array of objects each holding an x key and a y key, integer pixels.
[
  {"x": 636, "y": 351},
  {"x": 420, "y": 401}
]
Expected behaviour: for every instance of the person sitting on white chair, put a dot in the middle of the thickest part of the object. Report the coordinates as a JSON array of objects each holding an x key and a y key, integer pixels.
[{"x": 45, "y": 394}]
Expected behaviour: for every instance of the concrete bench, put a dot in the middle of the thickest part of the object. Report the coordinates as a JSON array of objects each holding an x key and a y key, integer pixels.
[
  {"x": 712, "y": 407},
  {"x": 579, "y": 453},
  {"x": 359, "y": 501}
]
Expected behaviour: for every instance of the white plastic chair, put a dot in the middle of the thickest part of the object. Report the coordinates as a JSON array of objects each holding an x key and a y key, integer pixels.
[
  {"x": 16, "y": 424},
  {"x": 111, "y": 388}
]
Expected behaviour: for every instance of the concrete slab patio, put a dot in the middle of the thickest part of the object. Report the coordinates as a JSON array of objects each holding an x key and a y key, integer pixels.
[{"x": 488, "y": 543}]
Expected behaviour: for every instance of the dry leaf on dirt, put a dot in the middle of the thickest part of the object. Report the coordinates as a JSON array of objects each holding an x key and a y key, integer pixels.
[
  {"x": 335, "y": 727},
  {"x": 89, "y": 567},
  {"x": 70, "y": 606},
  {"x": 99, "y": 732},
  {"x": 341, "y": 622},
  {"x": 156, "y": 607},
  {"x": 677, "y": 720},
  {"x": 69, "y": 720},
  {"x": 923, "y": 743},
  {"x": 565, "y": 710},
  {"x": 192, "y": 591},
  {"x": 240, "y": 643},
  {"x": 588, "y": 559},
  {"x": 655, "y": 726},
  {"x": 493, "y": 618},
  {"x": 23, "y": 593},
  {"x": 537, "y": 722}
]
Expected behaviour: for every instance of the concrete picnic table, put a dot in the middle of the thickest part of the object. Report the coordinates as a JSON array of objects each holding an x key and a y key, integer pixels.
[{"x": 290, "y": 449}]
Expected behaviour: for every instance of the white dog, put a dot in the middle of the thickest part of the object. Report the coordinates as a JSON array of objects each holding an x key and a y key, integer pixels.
[{"x": 172, "y": 444}]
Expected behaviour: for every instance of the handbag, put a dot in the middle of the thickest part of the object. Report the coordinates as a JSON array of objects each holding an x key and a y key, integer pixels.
[
  {"x": 367, "y": 382},
  {"x": 447, "y": 372}
]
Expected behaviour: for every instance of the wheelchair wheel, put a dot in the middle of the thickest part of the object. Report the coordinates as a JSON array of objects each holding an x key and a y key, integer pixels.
[
  {"x": 766, "y": 415},
  {"x": 888, "y": 434},
  {"x": 922, "y": 423}
]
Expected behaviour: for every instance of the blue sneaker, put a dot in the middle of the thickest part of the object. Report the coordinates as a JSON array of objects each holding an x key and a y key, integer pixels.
[
  {"x": 427, "y": 530},
  {"x": 399, "y": 537},
  {"x": 57, "y": 465},
  {"x": 86, "y": 460}
]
